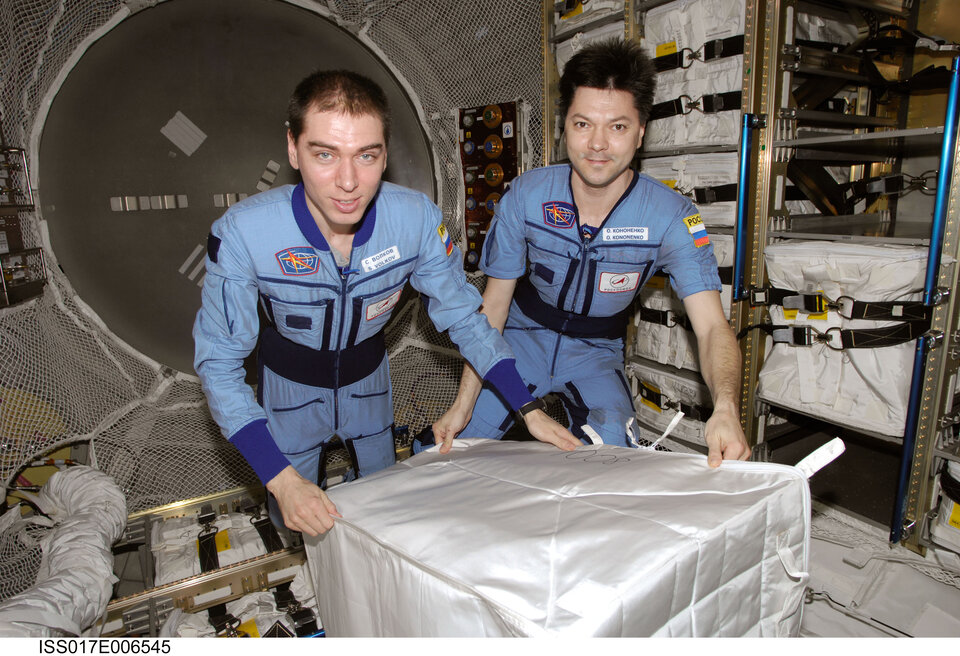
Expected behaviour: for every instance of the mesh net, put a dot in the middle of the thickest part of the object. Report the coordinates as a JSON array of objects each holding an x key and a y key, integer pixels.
[{"x": 65, "y": 378}]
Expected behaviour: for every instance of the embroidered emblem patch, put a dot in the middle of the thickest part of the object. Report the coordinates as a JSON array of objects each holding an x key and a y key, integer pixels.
[
  {"x": 697, "y": 230},
  {"x": 445, "y": 238},
  {"x": 618, "y": 282},
  {"x": 559, "y": 214},
  {"x": 374, "y": 310},
  {"x": 299, "y": 261}
]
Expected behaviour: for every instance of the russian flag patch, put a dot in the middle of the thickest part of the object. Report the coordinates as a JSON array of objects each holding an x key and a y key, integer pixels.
[
  {"x": 697, "y": 230},
  {"x": 445, "y": 238}
]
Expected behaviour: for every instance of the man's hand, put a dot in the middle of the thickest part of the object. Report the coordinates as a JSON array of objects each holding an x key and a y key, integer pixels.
[
  {"x": 545, "y": 429},
  {"x": 725, "y": 437},
  {"x": 449, "y": 426},
  {"x": 305, "y": 507}
]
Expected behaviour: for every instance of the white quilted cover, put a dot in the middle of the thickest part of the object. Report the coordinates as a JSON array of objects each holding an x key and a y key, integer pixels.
[
  {"x": 521, "y": 539},
  {"x": 865, "y": 388}
]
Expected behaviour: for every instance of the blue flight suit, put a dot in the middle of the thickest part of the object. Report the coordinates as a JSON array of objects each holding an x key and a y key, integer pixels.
[
  {"x": 573, "y": 298},
  {"x": 323, "y": 368}
]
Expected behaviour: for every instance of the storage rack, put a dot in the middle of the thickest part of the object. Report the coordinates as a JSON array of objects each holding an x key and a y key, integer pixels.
[
  {"x": 773, "y": 64},
  {"x": 768, "y": 142}
]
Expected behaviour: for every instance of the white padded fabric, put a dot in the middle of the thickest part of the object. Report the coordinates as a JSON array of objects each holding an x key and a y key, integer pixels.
[
  {"x": 675, "y": 388},
  {"x": 686, "y": 172},
  {"x": 675, "y": 345},
  {"x": 521, "y": 539},
  {"x": 863, "y": 388},
  {"x": 88, "y": 512}
]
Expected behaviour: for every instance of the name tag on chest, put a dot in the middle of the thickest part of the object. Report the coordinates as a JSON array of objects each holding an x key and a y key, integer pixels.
[
  {"x": 380, "y": 260},
  {"x": 635, "y": 233}
]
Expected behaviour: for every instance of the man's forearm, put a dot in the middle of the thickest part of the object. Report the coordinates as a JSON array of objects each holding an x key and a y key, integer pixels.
[
  {"x": 720, "y": 367},
  {"x": 496, "y": 306}
]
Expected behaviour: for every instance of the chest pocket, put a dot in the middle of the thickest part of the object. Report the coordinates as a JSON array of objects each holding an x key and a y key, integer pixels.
[
  {"x": 552, "y": 263},
  {"x": 371, "y": 312},
  {"x": 306, "y": 322},
  {"x": 618, "y": 275}
]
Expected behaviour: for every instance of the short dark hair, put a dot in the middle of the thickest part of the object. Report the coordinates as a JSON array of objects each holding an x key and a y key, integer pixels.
[
  {"x": 343, "y": 91},
  {"x": 613, "y": 64}
]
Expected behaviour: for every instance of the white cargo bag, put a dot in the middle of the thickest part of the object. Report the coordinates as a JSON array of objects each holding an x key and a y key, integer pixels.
[
  {"x": 863, "y": 388},
  {"x": 685, "y": 173},
  {"x": 675, "y": 345},
  {"x": 659, "y": 394},
  {"x": 522, "y": 539},
  {"x": 585, "y": 14},
  {"x": 570, "y": 47},
  {"x": 689, "y": 24}
]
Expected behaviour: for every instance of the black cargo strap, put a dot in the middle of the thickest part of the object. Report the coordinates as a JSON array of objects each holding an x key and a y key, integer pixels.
[
  {"x": 716, "y": 49},
  {"x": 571, "y": 324},
  {"x": 223, "y": 622},
  {"x": 690, "y": 411},
  {"x": 839, "y": 339},
  {"x": 666, "y": 318},
  {"x": 846, "y": 307},
  {"x": 265, "y": 528},
  {"x": 728, "y": 193},
  {"x": 716, "y": 194},
  {"x": 304, "y": 620},
  {"x": 708, "y": 104}
]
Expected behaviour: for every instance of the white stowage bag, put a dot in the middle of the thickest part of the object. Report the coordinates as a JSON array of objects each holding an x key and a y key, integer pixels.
[
  {"x": 674, "y": 388},
  {"x": 863, "y": 388},
  {"x": 522, "y": 539},
  {"x": 688, "y": 172},
  {"x": 75, "y": 581},
  {"x": 675, "y": 345},
  {"x": 174, "y": 544},
  {"x": 570, "y": 47},
  {"x": 689, "y": 24}
]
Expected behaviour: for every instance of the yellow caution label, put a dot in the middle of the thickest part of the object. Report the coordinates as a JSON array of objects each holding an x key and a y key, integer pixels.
[
  {"x": 576, "y": 11},
  {"x": 250, "y": 628},
  {"x": 650, "y": 404},
  {"x": 670, "y": 183},
  {"x": 222, "y": 541},
  {"x": 955, "y": 516},
  {"x": 666, "y": 49}
]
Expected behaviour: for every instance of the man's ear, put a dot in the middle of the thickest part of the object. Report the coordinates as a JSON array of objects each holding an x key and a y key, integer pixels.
[{"x": 292, "y": 150}]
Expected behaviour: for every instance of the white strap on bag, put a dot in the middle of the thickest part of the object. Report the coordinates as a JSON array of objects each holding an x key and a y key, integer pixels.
[{"x": 795, "y": 599}]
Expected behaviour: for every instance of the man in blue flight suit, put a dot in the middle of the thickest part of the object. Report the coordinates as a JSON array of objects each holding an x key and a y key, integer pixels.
[
  {"x": 568, "y": 250},
  {"x": 327, "y": 260}
]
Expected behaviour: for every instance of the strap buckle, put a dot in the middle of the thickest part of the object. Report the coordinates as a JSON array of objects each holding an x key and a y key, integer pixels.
[
  {"x": 844, "y": 306},
  {"x": 806, "y": 336},
  {"x": 693, "y": 55}
]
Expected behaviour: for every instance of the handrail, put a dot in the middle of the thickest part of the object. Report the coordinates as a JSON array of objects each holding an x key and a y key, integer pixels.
[
  {"x": 930, "y": 298},
  {"x": 750, "y": 123}
]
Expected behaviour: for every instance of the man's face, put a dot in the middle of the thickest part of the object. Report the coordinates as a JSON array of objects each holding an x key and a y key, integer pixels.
[
  {"x": 341, "y": 159},
  {"x": 603, "y": 133}
]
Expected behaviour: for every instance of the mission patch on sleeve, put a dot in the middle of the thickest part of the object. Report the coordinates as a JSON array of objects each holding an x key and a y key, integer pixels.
[{"x": 697, "y": 230}]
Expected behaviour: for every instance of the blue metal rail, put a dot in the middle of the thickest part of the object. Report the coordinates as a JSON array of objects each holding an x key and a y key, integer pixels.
[
  {"x": 930, "y": 298},
  {"x": 750, "y": 123}
]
